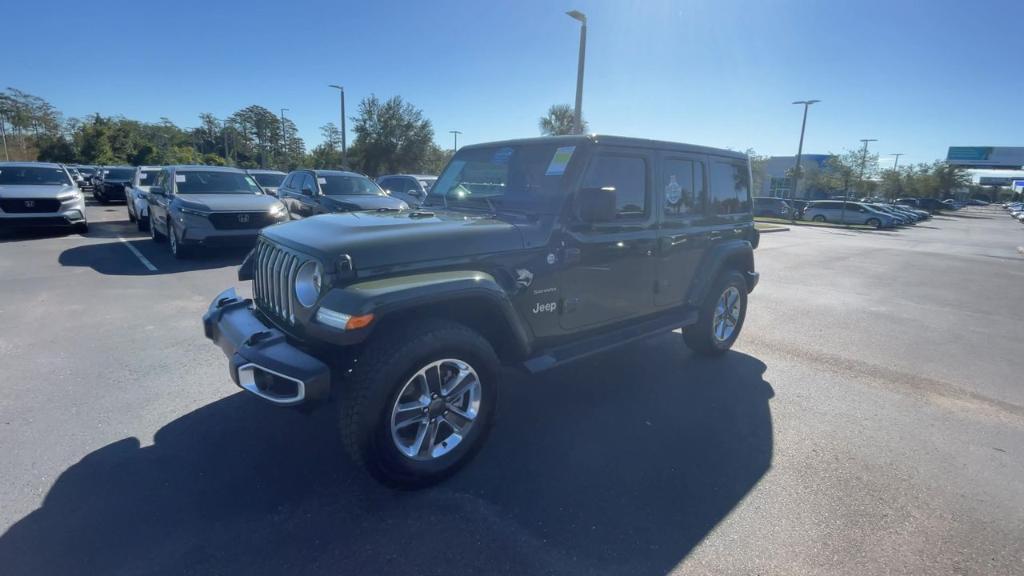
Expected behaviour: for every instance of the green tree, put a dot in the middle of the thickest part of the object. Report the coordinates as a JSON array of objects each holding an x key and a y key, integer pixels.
[
  {"x": 559, "y": 121},
  {"x": 391, "y": 136}
]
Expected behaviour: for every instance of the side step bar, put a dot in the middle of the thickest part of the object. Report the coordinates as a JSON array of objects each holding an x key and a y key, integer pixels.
[{"x": 600, "y": 343}]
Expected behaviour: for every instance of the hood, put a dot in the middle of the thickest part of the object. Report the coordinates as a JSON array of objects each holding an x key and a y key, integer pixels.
[
  {"x": 347, "y": 203},
  {"x": 44, "y": 191},
  {"x": 227, "y": 202},
  {"x": 386, "y": 239}
]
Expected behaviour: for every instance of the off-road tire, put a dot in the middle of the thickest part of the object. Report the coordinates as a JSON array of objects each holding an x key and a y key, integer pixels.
[
  {"x": 700, "y": 337},
  {"x": 384, "y": 366}
]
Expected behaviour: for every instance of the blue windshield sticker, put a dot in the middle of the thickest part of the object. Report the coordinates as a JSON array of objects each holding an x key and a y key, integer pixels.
[
  {"x": 560, "y": 160},
  {"x": 502, "y": 156}
]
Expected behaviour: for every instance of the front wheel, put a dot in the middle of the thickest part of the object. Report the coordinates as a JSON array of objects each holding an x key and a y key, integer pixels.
[
  {"x": 721, "y": 316},
  {"x": 420, "y": 402},
  {"x": 154, "y": 233},
  {"x": 178, "y": 250},
  {"x": 874, "y": 223}
]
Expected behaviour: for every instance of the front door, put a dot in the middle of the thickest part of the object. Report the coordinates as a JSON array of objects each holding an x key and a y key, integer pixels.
[
  {"x": 682, "y": 235},
  {"x": 609, "y": 270}
]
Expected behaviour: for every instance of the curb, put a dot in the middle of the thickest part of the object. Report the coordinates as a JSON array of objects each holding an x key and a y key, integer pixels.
[{"x": 770, "y": 230}]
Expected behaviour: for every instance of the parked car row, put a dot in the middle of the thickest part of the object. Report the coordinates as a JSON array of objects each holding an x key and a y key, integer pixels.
[
  {"x": 1016, "y": 210},
  {"x": 876, "y": 214}
]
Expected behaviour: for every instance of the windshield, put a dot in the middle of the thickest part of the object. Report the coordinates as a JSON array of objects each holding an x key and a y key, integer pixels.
[
  {"x": 147, "y": 177},
  {"x": 119, "y": 174},
  {"x": 519, "y": 178},
  {"x": 33, "y": 176},
  {"x": 348, "y": 186},
  {"x": 203, "y": 182},
  {"x": 269, "y": 180}
]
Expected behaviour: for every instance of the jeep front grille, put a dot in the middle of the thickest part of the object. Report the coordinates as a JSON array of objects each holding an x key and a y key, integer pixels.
[{"x": 274, "y": 273}]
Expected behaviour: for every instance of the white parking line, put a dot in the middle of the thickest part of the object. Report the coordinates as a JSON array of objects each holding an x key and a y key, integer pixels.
[{"x": 145, "y": 261}]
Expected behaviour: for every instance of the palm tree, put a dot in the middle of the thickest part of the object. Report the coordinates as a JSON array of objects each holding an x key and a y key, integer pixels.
[{"x": 559, "y": 121}]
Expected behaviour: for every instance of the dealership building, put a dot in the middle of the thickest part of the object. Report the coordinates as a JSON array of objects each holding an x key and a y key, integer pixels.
[{"x": 777, "y": 169}]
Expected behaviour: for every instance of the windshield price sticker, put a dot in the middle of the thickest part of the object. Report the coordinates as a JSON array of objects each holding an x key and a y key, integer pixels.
[
  {"x": 179, "y": 178},
  {"x": 143, "y": 175},
  {"x": 560, "y": 160},
  {"x": 321, "y": 180}
]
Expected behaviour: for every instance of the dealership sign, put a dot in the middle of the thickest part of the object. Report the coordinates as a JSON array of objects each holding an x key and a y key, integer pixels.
[
  {"x": 996, "y": 180},
  {"x": 1005, "y": 157}
]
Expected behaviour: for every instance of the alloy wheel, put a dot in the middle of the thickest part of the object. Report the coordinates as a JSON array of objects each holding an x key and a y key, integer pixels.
[
  {"x": 727, "y": 314},
  {"x": 436, "y": 409}
]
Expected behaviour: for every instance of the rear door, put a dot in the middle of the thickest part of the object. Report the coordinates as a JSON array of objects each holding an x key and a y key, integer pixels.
[
  {"x": 682, "y": 233},
  {"x": 609, "y": 267},
  {"x": 729, "y": 205}
]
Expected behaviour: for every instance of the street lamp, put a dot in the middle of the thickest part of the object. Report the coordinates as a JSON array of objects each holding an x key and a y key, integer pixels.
[
  {"x": 455, "y": 135},
  {"x": 578, "y": 111},
  {"x": 799, "y": 154},
  {"x": 864, "y": 157},
  {"x": 895, "y": 165},
  {"x": 284, "y": 136},
  {"x": 344, "y": 148}
]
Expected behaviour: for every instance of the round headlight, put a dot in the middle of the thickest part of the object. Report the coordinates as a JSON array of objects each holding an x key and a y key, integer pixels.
[{"x": 307, "y": 283}]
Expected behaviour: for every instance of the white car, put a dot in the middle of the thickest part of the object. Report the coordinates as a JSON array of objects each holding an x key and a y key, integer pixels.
[
  {"x": 137, "y": 196},
  {"x": 40, "y": 194}
]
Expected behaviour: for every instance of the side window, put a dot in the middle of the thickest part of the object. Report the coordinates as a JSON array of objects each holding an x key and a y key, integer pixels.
[
  {"x": 287, "y": 182},
  {"x": 682, "y": 183},
  {"x": 730, "y": 188},
  {"x": 389, "y": 185},
  {"x": 628, "y": 176},
  {"x": 306, "y": 184},
  {"x": 408, "y": 184}
]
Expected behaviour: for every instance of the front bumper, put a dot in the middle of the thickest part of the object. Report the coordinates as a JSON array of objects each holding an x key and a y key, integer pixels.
[
  {"x": 260, "y": 358},
  {"x": 70, "y": 214}
]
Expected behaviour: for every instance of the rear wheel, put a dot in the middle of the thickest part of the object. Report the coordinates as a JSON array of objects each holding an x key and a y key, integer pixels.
[
  {"x": 818, "y": 218},
  {"x": 99, "y": 197},
  {"x": 142, "y": 223},
  {"x": 721, "y": 316},
  {"x": 420, "y": 402}
]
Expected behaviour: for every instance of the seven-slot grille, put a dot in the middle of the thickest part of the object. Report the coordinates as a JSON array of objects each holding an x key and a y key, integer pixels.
[
  {"x": 29, "y": 205},
  {"x": 274, "y": 270}
]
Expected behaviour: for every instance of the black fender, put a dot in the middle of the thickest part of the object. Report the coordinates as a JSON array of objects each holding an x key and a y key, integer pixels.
[
  {"x": 472, "y": 296},
  {"x": 737, "y": 254}
]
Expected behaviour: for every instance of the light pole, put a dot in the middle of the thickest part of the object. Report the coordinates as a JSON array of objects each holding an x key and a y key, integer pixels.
[
  {"x": 455, "y": 135},
  {"x": 344, "y": 147},
  {"x": 895, "y": 165},
  {"x": 284, "y": 136},
  {"x": 578, "y": 111},
  {"x": 3, "y": 132},
  {"x": 864, "y": 158},
  {"x": 799, "y": 154}
]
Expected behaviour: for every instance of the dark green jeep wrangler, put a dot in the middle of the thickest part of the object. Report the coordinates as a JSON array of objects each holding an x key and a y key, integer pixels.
[{"x": 529, "y": 253}]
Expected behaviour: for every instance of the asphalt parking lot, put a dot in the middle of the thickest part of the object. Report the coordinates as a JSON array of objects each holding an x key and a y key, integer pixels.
[{"x": 870, "y": 420}]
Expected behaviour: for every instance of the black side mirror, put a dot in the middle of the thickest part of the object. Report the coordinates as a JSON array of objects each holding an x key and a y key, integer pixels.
[
  {"x": 415, "y": 193},
  {"x": 307, "y": 191},
  {"x": 596, "y": 204}
]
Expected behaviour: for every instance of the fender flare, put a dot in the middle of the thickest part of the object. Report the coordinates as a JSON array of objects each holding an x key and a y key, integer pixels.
[
  {"x": 737, "y": 253},
  {"x": 390, "y": 297}
]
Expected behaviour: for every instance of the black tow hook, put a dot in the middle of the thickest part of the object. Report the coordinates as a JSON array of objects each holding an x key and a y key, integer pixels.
[{"x": 257, "y": 337}]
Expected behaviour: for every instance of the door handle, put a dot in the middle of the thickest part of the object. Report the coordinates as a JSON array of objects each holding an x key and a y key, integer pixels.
[
  {"x": 716, "y": 235},
  {"x": 677, "y": 239}
]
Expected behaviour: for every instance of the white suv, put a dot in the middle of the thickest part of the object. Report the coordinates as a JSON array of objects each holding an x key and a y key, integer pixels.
[{"x": 34, "y": 194}]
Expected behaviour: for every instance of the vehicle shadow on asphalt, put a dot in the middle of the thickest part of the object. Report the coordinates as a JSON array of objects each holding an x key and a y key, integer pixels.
[
  {"x": 621, "y": 464},
  {"x": 116, "y": 259}
]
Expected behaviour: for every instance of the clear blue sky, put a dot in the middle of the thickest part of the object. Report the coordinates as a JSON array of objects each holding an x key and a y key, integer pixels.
[{"x": 917, "y": 75}]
